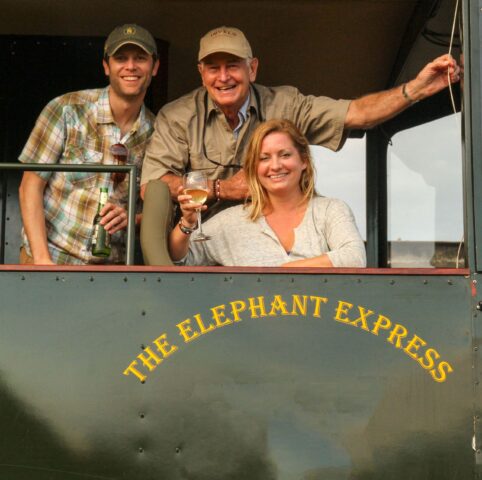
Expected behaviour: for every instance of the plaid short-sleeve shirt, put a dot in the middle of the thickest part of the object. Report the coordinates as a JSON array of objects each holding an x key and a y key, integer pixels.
[{"x": 78, "y": 128}]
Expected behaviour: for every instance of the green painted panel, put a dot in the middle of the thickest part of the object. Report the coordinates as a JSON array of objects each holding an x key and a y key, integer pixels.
[{"x": 241, "y": 381}]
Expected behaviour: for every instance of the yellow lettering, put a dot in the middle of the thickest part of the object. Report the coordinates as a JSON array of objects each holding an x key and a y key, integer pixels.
[
  {"x": 149, "y": 358},
  {"x": 342, "y": 308},
  {"x": 442, "y": 375},
  {"x": 254, "y": 307},
  {"x": 318, "y": 301},
  {"x": 164, "y": 347},
  {"x": 382, "y": 322},
  {"x": 236, "y": 307},
  {"x": 201, "y": 326},
  {"x": 362, "y": 318},
  {"x": 298, "y": 307},
  {"x": 399, "y": 331},
  {"x": 186, "y": 331},
  {"x": 414, "y": 344},
  {"x": 218, "y": 315},
  {"x": 278, "y": 305},
  {"x": 430, "y": 353},
  {"x": 131, "y": 369}
]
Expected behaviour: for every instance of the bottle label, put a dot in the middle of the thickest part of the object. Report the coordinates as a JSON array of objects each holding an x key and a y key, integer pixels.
[{"x": 103, "y": 197}]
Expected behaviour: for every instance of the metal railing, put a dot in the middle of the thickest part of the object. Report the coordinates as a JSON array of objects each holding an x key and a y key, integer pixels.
[{"x": 131, "y": 170}]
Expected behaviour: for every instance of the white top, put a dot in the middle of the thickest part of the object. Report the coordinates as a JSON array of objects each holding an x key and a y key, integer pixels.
[{"x": 327, "y": 227}]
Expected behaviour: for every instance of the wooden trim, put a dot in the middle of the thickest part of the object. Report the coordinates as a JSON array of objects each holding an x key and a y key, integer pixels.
[{"x": 247, "y": 270}]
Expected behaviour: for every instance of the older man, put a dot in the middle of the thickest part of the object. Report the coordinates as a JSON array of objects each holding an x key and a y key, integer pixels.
[
  {"x": 80, "y": 128},
  {"x": 209, "y": 128}
]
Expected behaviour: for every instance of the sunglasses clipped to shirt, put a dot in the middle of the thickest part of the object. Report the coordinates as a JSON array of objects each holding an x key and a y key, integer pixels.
[{"x": 120, "y": 154}]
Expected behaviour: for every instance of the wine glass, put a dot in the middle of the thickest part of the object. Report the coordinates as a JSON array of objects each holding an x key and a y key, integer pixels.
[{"x": 196, "y": 185}]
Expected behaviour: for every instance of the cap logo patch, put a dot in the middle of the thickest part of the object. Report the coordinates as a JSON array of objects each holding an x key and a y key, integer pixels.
[{"x": 129, "y": 31}]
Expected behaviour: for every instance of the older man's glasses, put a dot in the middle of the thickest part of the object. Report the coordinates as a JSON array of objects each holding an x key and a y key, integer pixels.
[{"x": 120, "y": 153}]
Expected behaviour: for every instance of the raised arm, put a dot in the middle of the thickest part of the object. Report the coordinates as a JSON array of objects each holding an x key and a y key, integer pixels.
[
  {"x": 370, "y": 110},
  {"x": 31, "y": 194}
]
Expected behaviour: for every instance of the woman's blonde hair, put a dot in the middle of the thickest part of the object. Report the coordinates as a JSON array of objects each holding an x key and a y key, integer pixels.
[{"x": 259, "y": 196}]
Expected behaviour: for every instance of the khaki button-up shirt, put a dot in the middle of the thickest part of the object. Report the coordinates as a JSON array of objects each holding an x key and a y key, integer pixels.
[{"x": 192, "y": 133}]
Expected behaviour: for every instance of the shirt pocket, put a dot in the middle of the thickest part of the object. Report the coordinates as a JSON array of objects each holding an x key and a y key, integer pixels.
[{"x": 75, "y": 155}]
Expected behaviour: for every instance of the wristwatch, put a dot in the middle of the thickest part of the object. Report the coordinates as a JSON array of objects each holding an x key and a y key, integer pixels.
[{"x": 186, "y": 230}]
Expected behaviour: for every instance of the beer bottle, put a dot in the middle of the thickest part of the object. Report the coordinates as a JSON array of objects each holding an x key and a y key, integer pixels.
[{"x": 100, "y": 238}]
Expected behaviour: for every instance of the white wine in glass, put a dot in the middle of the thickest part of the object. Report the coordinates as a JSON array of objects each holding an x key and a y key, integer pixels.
[{"x": 196, "y": 185}]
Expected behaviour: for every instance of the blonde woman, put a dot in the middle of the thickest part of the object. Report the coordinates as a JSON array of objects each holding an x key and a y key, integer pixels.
[{"x": 285, "y": 223}]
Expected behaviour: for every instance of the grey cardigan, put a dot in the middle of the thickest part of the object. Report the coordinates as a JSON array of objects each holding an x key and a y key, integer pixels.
[{"x": 327, "y": 227}]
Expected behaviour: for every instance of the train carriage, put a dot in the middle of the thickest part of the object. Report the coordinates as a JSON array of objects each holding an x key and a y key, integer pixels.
[{"x": 161, "y": 372}]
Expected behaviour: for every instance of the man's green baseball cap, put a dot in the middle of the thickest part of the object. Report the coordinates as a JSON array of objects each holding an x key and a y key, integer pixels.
[{"x": 130, "y": 34}]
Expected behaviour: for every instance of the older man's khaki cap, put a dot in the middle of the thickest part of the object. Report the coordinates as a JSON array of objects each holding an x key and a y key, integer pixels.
[
  {"x": 130, "y": 34},
  {"x": 225, "y": 39}
]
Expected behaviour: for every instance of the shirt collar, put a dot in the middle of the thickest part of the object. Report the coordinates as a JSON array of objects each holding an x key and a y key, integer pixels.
[
  {"x": 104, "y": 112},
  {"x": 253, "y": 100},
  {"x": 242, "y": 115}
]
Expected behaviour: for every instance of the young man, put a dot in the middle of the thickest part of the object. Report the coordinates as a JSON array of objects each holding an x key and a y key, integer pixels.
[{"x": 80, "y": 128}]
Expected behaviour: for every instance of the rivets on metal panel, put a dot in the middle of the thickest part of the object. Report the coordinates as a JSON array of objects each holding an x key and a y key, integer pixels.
[
  {"x": 177, "y": 450},
  {"x": 57, "y": 278},
  {"x": 479, "y": 306},
  {"x": 192, "y": 279},
  {"x": 142, "y": 346},
  {"x": 450, "y": 282},
  {"x": 259, "y": 280},
  {"x": 159, "y": 279},
  {"x": 142, "y": 415},
  {"x": 358, "y": 280},
  {"x": 325, "y": 280},
  {"x": 125, "y": 279},
  {"x": 91, "y": 279},
  {"x": 392, "y": 282},
  {"x": 141, "y": 450},
  {"x": 476, "y": 348},
  {"x": 425, "y": 282},
  {"x": 23, "y": 277},
  {"x": 292, "y": 280},
  {"x": 143, "y": 312},
  {"x": 144, "y": 279}
]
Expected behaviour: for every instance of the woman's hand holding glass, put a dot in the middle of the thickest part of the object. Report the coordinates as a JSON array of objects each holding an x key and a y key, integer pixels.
[
  {"x": 188, "y": 208},
  {"x": 192, "y": 196}
]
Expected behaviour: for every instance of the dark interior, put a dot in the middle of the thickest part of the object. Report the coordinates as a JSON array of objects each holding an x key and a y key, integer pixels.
[{"x": 339, "y": 48}]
